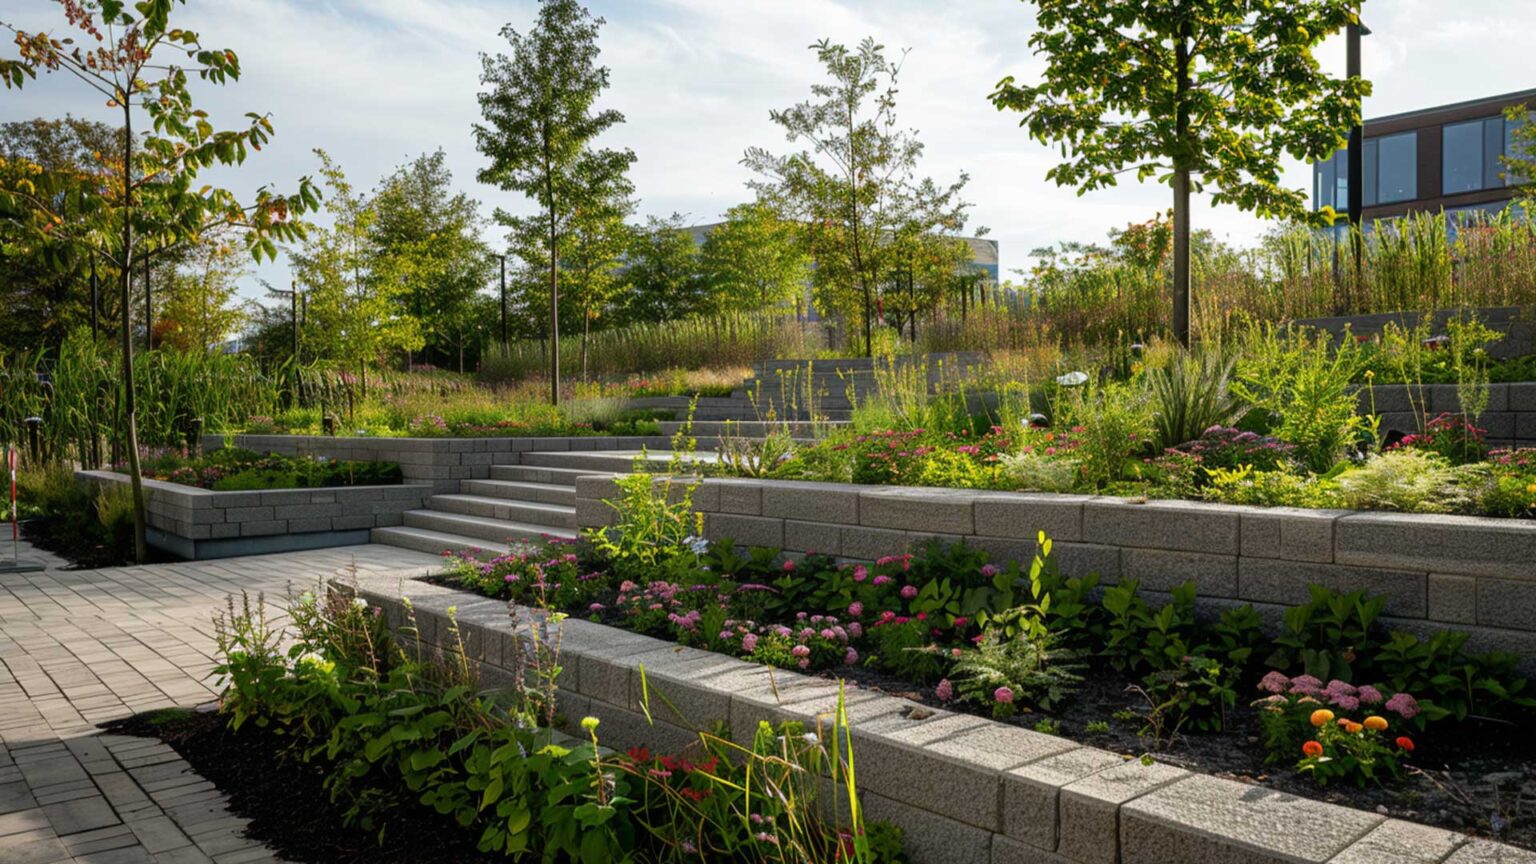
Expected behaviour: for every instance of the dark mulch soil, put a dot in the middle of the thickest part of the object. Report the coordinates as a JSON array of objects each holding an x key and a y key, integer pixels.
[
  {"x": 284, "y": 800},
  {"x": 82, "y": 553},
  {"x": 1478, "y": 777}
]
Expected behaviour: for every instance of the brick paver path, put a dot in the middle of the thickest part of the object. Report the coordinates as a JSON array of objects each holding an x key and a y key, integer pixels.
[{"x": 78, "y": 648}]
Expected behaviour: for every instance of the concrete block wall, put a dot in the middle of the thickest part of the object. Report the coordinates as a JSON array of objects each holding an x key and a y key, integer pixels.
[
  {"x": 1510, "y": 417},
  {"x": 437, "y": 462},
  {"x": 1518, "y": 328},
  {"x": 964, "y": 788},
  {"x": 197, "y": 523},
  {"x": 1437, "y": 572}
]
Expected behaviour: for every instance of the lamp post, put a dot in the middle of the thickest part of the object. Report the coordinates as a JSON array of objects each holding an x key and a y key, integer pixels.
[
  {"x": 1356, "y": 183},
  {"x": 504, "y": 339}
]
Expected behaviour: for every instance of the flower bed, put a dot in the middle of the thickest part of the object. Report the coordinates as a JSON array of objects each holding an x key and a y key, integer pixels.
[
  {"x": 232, "y": 469},
  {"x": 1346, "y": 701}
]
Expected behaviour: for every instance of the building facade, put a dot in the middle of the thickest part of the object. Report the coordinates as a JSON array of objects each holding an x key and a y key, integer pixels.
[{"x": 1446, "y": 158}]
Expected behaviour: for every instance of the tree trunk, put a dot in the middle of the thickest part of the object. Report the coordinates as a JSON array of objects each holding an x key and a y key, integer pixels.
[
  {"x": 130, "y": 415},
  {"x": 1181, "y": 171},
  {"x": 554, "y": 281}
]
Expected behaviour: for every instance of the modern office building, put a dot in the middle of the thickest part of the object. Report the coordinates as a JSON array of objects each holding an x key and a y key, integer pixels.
[{"x": 1444, "y": 158}]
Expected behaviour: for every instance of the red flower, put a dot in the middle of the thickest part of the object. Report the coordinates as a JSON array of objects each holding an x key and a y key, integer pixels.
[
  {"x": 1405, "y": 743},
  {"x": 1312, "y": 748},
  {"x": 639, "y": 754},
  {"x": 695, "y": 795}
]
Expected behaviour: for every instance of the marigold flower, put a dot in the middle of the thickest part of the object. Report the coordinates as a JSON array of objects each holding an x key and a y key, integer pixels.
[
  {"x": 1376, "y": 723},
  {"x": 1312, "y": 748},
  {"x": 1353, "y": 728},
  {"x": 1405, "y": 743},
  {"x": 1321, "y": 716}
]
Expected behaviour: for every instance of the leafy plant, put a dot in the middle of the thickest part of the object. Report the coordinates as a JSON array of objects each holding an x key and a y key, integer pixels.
[
  {"x": 1190, "y": 395},
  {"x": 1304, "y": 382},
  {"x": 1328, "y": 635}
]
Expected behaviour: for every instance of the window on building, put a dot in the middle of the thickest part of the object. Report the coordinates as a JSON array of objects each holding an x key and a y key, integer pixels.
[
  {"x": 1324, "y": 182},
  {"x": 1462, "y": 157},
  {"x": 1397, "y": 168},
  {"x": 1372, "y": 187}
]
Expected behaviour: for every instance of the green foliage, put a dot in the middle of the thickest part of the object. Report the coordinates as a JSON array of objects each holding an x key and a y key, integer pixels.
[
  {"x": 1112, "y": 423},
  {"x": 1329, "y": 634},
  {"x": 1303, "y": 383},
  {"x": 654, "y": 522},
  {"x": 1189, "y": 396},
  {"x": 754, "y": 260},
  {"x": 1410, "y": 480}
]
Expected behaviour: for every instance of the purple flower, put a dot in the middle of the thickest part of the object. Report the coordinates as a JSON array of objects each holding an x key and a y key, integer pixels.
[
  {"x": 1274, "y": 682},
  {"x": 1306, "y": 685},
  {"x": 1003, "y": 695},
  {"x": 1338, "y": 688},
  {"x": 989, "y": 570},
  {"x": 1369, "y": 695},
  {"x": 1348, "y": 703},
  {"x": 908, "y": 592},
  {"x": 749, "y": 643},
  {"x": 855, "y": 609},
  {"x": 945, "y": 691},
  {"x": 1405, "y": 705},
  {"x": 851, "y": 657}
]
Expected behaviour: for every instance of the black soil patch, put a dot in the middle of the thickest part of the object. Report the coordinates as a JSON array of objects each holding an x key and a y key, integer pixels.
[
  {"x": 82, "y": 552},
  {"x": 288, "y": 808}
]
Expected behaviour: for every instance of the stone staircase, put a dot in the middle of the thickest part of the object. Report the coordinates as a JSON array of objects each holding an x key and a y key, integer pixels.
[{"x": 517, "y": 503}]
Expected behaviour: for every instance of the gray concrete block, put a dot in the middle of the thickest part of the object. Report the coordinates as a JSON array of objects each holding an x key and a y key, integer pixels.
[
  {"x": 284, "y": 496},
  {"x": 1290, "y": 533},
  {"x": 1006, "y": 850},
  {"x": 248, "y": 514},
  {"x": 740, "y": 496},
  {"x": 1160, "y": 570},
  {"x": 1522, "y": 396},
  {"x": 930, "y": 838},
  {"x": 1083, "y": 559},
  {"x": 353, "y": 521},
  {"x": 1397, "y": 842},
  {"x": 947, "y": 511},
  {"x": 1462, "y": 545},
  {"x": 745, "y": 530},
  {"x": 1030, "y": 792},
  {"x": 813, "y": 537},
  {"x": 306, "y": 511},
  {"x": 1024, "y": 515},
  {"x": 1185, "y": 526},
  {"x": 257, "y": 529},
  {"x": 1509, "y": 603},
  {"x": 872, "y": 543},
  {"x": 1489, "y": 852},
  {"x": 304, "y": 526},
  {"x": 836, "y": 503},
  {"x": 1264, "y": 580},
  {"x": 1087, "y": 811},
  {"x": 1216, "y": 821},
  {"x": 1452, "y": 599}
]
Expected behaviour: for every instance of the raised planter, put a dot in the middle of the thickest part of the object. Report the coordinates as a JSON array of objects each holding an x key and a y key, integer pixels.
[
  {"x": 967, "y": 790},
  {"x": 1518, "y": 329},
  {"x": 197, "y": 524},
  {"x": 1437, "y": 572},
  {"x": 1510, "y": 417}
]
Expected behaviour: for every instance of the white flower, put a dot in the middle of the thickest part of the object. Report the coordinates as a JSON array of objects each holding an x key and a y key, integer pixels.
[{"x": 359, "y": 603}]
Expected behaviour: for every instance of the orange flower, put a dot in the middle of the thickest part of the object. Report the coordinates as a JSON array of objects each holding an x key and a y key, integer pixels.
[
  {"x": 1353, "y": 728},
  {"x": 1312, "y": 748},
  {"x": 1406, "y": 743},
  {"x": 1376, "y": 723},
  {"x": 1321, "y": 716}
]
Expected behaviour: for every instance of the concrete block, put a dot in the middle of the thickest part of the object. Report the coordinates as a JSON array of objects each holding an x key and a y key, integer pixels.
[
  {"x": 872, "y": 543},
  {"x": 813, "y": 537},
  {"x": 740, "y": 496},
  {"x": 836, "y": 503},
  {"x": 1030, "y": 792},
  {"x": 1216, "y": 821},
  {"x": 1290, "y": 533},
  {"x": 1397, "y": 842},
  {"x": 1083, "y": 559},
  {"x": 948, "y": 511},
  {"x": 1462, "y": 545},
  {"x": 1522, "y": 396},
  {"x": 930, "y": 838},
  {"x": 1160, "y": 570},
  {"x": 1025, "y": 515},
  {"x": 353, "y": 521},
  {"x": 304, "y": 526},
  {"x": 1452, "y": 599},
  {"x": 1183, "y": 526},
  {"x": 284, "y": 496},
  {"x": 1489, "y": 852},
  {"x": 1264, "y": 580},
  {"x": 248, "y": 514},
  {"x": 1006, "y": 850},
  {"x": 257, "y": 529},
  {"x": 745, "y": 530},
  {"x": 1509, "y": 603},
  {"x": 1087, "y": 811},
  {"x": 306, "y": 511}
]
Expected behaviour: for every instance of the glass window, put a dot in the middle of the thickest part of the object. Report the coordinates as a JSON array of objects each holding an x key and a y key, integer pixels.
[
  {"x": 1341, "y": 180},
  {"x": 1324, "y": 179},
  {"x": 1513, "y": 149},
  {"x": 1397, "y": 167},
  {"x": 1371, "y": 163},
  {"x": 1493, "y": 152},
  {"x": 1462, "y": 157}
]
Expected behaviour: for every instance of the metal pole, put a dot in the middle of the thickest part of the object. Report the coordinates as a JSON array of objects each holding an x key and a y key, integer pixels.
[{"x": 1356, "y": 180}]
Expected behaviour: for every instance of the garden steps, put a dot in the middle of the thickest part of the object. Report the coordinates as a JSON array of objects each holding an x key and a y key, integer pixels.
[
  {"x": 541, "y": 474},
  {"x": 506, "y": 510},
  {"x": 438, "y": 542},
  {"x": 519, "y": 490},
  {"x": 482, "y": 528},
  {"x": 799, "y": 430}
]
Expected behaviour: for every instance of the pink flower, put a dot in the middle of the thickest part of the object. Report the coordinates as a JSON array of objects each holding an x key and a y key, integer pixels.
[
  {"x": 789, "y": 565},
  {"x": 908, "y": 592},
  {"x": 990, "y": 570},
  {"x": 883, "y": 579},
  {"x": 851, "y": 657},
  {"x": 855, "y": 629},
  {"x": 855, "y": 609},
  {"x": 860, "y": 573},
  {"x": 1274, "y": 682},
  {"x": 801, "y": 651},
  {"x": 1405, "y": 705},
  {"x": 749, "y": 643},
  {"x": 945, "y": 691},
  {"x": 1369, "y": 695},
  {"x": 1003, "y": 695}
]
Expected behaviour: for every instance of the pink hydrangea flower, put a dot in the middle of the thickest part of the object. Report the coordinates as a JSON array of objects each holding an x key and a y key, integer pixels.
[
  {"x": 855, "y": 630},
  {"x": 1003, "y": 695},
  {"x": 945, "y": 691},
  {"x": 1405, "y": 705},
  {"x": 860, "y": 573},
  {"x": 851, "y": 657},
  {"x": 749, "y": 643},
  {"x": 855, "y": 609},
  {"x": 883, "y": 579},
  {"x": 908, "y": 592},
  {"x": 801, "y": 651},
  {"x": 1274, "y": 682},
  {"x": 990, "y": 570},
  {"x": 1369, "y": 695}
]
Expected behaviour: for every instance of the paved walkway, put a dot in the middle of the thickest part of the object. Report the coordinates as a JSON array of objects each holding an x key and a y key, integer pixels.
[{"x": 78, "y": 648}]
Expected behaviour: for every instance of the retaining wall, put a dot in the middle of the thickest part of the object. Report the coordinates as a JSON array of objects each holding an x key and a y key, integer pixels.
[
  {"x": 1510, "y": 417},
  {"x": 196, "y": 523},
  {"x": 437, "y": 462},
  {"x": 966, "y": 790},
  {"x": 1518, "y": 328},
  {"x": 1437, "y": 572}
]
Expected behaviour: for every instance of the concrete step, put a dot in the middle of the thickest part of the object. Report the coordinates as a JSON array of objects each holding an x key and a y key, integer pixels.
[
  {"x": 482, "y": 528},
  {"x": 541, "y": 474},
  {"x": 748, "y": 428},
  {"x": 520, "y": 512},
  {"x": 515, "y": 490},
  {"x": 437, "y": 542},
  {"x": 589, "y": 461}
]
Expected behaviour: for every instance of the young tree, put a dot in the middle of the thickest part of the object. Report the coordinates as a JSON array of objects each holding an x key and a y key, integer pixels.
[
  {"x": 1520, "y": 162},
  {"x": 429, "y": 235},
  {"x": 199, "y": 311},
  {"x": 354, "y": 296},
  {"x": 140, "y": 66},
  {"x": 599, "y": 237},
  {"x": 539, "y": 130},
  {"x": 661, "y": 279},
  {"x": 1192, "y": 92},
  {"x": 754, "y": 259}
]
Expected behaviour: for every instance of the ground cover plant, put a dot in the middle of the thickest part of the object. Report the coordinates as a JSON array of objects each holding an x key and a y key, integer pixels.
[
  {"x": 1336, "y": 698},
  {"x": 395, "y": 729},
  {"x": 234, "y": 469}
]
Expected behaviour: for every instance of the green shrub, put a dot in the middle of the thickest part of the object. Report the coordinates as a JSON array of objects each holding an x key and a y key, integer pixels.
[
  {"x": 1409, "y": 480},
  {"x": 1304, "y": 382},
  {"x": 1189, "y": 396}
]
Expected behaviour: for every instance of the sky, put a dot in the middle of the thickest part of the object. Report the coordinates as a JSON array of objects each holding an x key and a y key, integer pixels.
[{"x": 378, "y": 82}]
